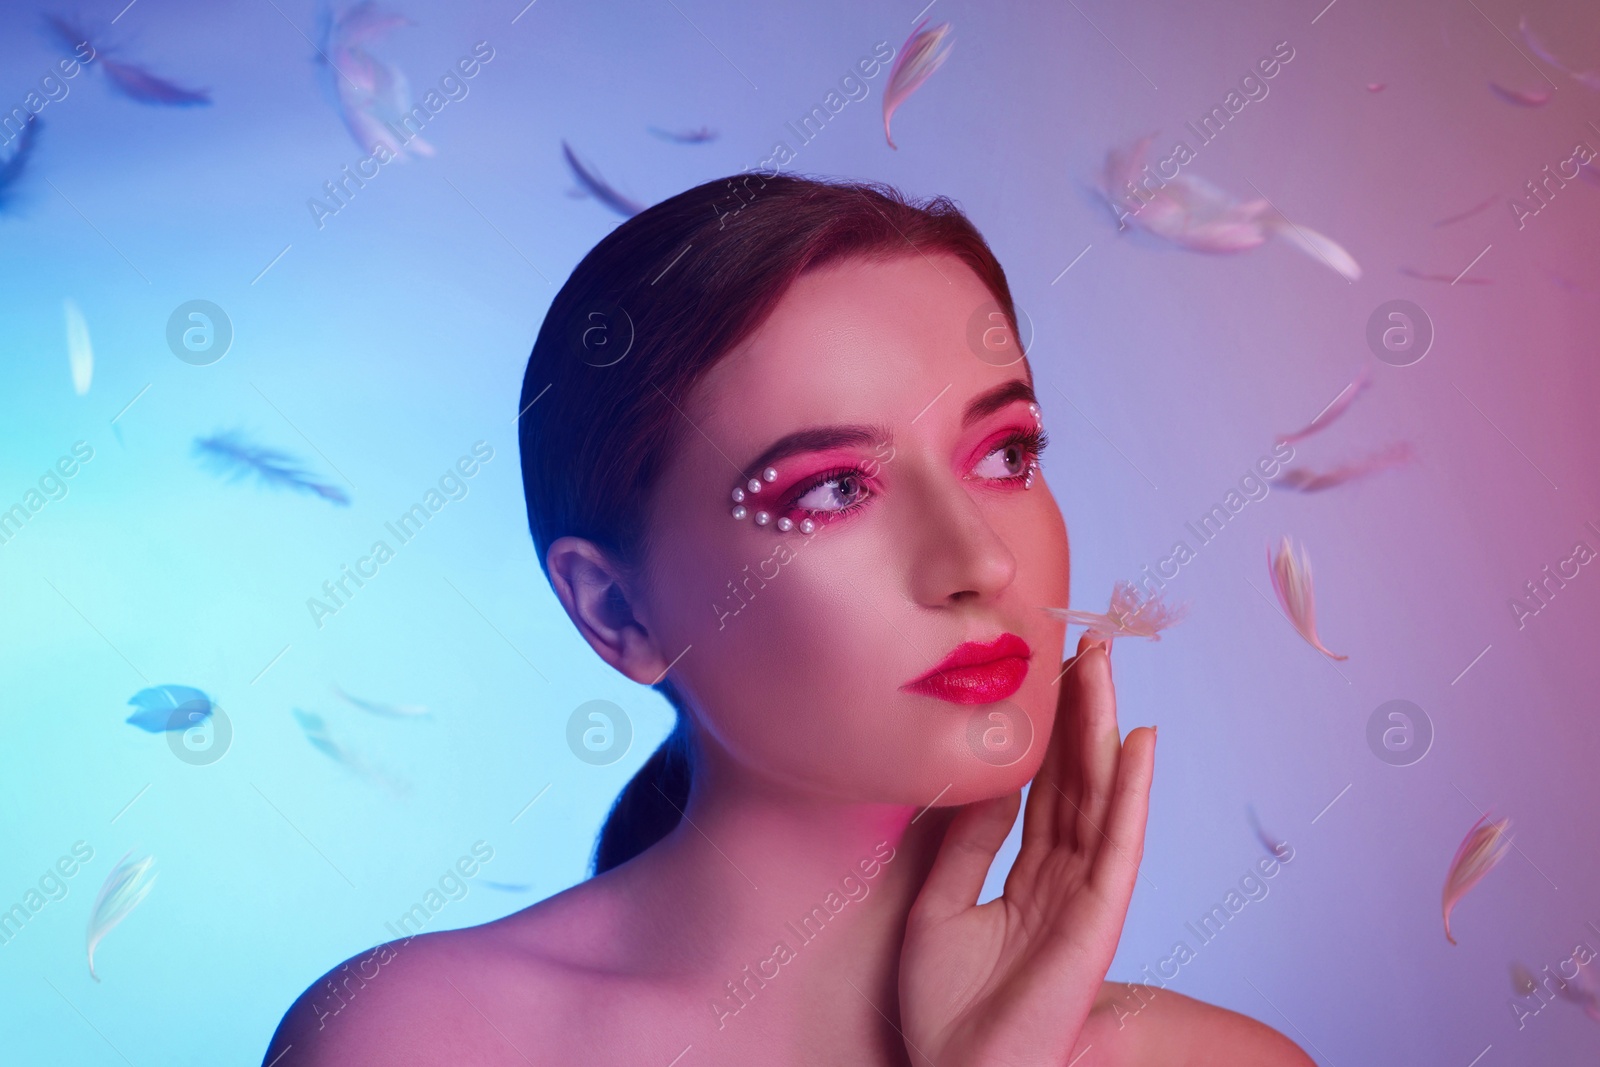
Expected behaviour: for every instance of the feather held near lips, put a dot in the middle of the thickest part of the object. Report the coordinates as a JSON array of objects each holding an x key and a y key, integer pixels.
[
  {"x": 1482, "y": 848},
  {"x": 1125, "y": 616},
  {"x": 919, "y": 57},
  {"x": 1291, "y": 580}
]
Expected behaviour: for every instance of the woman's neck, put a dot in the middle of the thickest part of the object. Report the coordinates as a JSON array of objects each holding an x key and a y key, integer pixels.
[{"x": 780, "y": 910}]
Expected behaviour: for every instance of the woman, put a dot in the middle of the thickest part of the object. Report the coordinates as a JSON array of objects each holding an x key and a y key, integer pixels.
[{"x": 787, "y": 473}]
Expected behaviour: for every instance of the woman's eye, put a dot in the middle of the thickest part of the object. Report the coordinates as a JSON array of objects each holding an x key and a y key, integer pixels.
[
  {"x": 1007, "y": 461},
  {"x": 834, "y": 494}
]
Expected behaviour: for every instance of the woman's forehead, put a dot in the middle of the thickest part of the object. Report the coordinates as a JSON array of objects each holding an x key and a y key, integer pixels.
[{"x": 857, "y": 340}]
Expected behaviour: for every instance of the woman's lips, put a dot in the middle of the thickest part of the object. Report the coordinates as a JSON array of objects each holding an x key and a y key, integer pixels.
[{"x": 976, "y": 673}]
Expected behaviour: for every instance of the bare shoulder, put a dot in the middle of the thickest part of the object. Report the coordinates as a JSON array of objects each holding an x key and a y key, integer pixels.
[
  {"x": 455, "y": 996},
  {"x": 1146, "y": 1025}
]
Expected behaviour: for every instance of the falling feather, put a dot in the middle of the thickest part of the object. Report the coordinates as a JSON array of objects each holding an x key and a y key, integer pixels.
[
  {"x": 16, "y": 163},
  {"x": 316, "y": 732},
  {"x": 506, "y": 887},
  {"x": 1272, "y": 845},
  {"x": 1588, "y": 78},
  {"x": 1305, "y": 480},
  {"x": 392, "y": 711},
  {"x": 1521, "y": 97},
  {"x": 1193, "y": 214},
  {"x": 1452, "y": 279},
  {"x": 1291, "y": 580},
  {"x": 1126, "y": 616},
  {"x": 232, "y": 454},
  {"x": 130, "y": 79},
  {"x": 1471, "y": 211},
  {"x": 80, "y": 356},
  {"x": 1376, "y": 87},
  {"x": 1522, "y": 980},
  {"x": 596, "y": 186},
  {"x": 1340, "y": 405},
  {"x": 1482, "y": 848},
  {"x": 372, "y": 97},
  {"x": 1583, "y": 990},
  {"x": 121, "y": 892},
  {"x": 919, "y": 57},
  {"x": 701, "y": 136},
  {"x": 169, "y": 707},
  {"x": 136, "y": 83}
]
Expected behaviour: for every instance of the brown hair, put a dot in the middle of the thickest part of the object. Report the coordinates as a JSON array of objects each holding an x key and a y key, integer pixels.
[{"x": 642, "y": 317}]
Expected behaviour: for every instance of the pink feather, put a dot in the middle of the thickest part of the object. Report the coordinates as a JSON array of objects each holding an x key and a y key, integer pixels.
[
  {"x": 919, "y": 57},
  {"x": 1482, "y": 848},
  {"x": 1291, "y": 580}
]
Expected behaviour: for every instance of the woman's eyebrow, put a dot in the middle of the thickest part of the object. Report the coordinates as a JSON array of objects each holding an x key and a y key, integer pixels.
[
  {"x": 995, "y": 399},
  {"x": 818, "y": 439},
  {"x": 823, "y": 438}
]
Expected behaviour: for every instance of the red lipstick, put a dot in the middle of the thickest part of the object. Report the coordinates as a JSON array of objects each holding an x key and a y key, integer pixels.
[{"x": 976, "y": 673}]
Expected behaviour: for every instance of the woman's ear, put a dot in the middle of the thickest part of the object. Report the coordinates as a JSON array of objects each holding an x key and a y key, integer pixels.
[{"x": 592, "y": 589}]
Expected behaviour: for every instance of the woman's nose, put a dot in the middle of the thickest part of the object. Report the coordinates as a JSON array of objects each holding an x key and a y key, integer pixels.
[{"x": 955, "y": 553}]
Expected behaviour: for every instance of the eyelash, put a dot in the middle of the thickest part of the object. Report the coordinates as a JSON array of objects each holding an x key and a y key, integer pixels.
[{"x": 1032, "y": 442}]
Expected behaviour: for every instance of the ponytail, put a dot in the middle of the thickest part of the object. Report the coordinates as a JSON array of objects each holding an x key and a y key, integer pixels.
[{"x": 652, "y": 802}]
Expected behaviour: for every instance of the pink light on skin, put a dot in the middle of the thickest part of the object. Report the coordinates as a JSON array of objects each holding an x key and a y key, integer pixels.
[{"x": 809, "y": 754}]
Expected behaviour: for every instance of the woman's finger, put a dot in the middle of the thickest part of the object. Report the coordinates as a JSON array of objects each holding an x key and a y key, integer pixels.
[
  {"x": 970, "y": 842},
  {"x": 1092, "y": 768},
  {"x": 1116, "y": 866},
  {"x": 1039, "y": 822}
]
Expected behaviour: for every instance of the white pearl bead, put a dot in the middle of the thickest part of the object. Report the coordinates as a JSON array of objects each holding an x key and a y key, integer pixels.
[
  {"x": 786, "y": 524},
  {"x": 738, "y": 495},
  {"x": 740, "y": 511},
  {"x": 755, "y": 485},
  {"x": 806, "y": 526},
  {"x": 762, "y": 518},
  {"x": 770, "y": 474}
]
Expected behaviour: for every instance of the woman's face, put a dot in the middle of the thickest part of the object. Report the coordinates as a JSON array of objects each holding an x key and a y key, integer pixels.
[{"x": 800, "y": 646}]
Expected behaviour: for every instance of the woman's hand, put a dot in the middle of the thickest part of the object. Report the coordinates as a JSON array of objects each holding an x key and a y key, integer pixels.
[{"x": 1012, "y": 981}]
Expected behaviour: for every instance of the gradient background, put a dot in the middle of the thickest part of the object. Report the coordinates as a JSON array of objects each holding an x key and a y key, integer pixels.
[{"x": 381, "y": 346}]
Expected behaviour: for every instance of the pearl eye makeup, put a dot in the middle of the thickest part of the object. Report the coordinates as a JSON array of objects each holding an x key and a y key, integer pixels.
[{"x": 1013, "y": 460}]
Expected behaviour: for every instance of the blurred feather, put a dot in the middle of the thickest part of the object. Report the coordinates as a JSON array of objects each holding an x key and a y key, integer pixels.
[
  {"x": 1521, "y": 97},
  {"x": 506, "y": 887},
  {"x": 1340, "y": 405},
  {"x": 392, "y": 711},
  {"x": 1304, "y": 480},
  {"x": 169, "y": 707},
  {"x": 1522, "y": 980},
  {"x": 137, "y": 83},
  {"x": 1471, "y": 211},
  {"x": 316, "y": 732},
  {"x": 1583, "y": 990},
  {"x": 1450, "y": 278},
  {"x": 596, "y": 186},
  {"x": 1482, "y": 848},
  {"x": 1271, "y": 844},
  {"x": 17, "y": 162},
  {"x": 121, "y": 892},
  {"x": 371, "y": 96},
  {"x": 701, "y": 136},
  {"x": 919, "y": 57},
  {"x": 1193, "y": 214},
  {"x": 1291, "y": 580},
  {"x": 1588, "y": 78},
  {"x": 1376, "y": 87},
  {"x": 80, "y": 356},
  {"x": 1126, "y": 616},
  {"x": 232, "y": 454}
]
